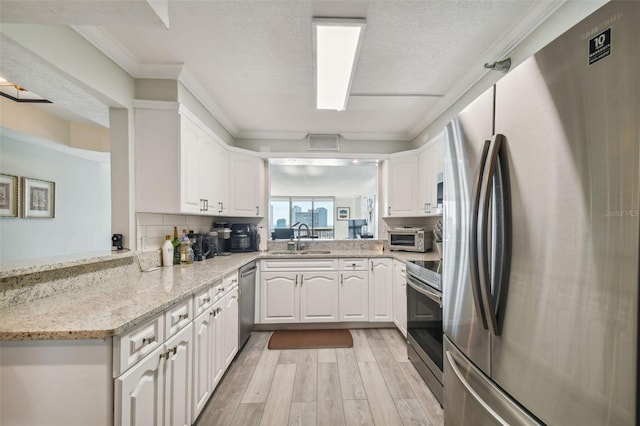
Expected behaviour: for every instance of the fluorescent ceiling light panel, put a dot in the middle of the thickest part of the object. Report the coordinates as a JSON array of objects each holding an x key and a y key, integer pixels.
[{"x": 336, "y": 44}]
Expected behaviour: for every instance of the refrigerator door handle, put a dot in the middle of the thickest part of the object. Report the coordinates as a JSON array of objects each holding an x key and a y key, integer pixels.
[
  {"x": 495, "y": 179},
  {"x": 474, "y": 236},
  {"x": 454, "y": 366}
]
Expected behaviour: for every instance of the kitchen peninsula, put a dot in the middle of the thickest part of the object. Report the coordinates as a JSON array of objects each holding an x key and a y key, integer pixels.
[{"x": 74, "y": 339}]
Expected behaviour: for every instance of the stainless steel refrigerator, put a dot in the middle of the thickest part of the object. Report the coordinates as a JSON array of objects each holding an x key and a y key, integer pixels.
[{"x": 541, "y": 244}]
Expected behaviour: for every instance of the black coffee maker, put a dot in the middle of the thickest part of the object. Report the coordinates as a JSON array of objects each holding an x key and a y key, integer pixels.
[
  {"x": 244, "y": 237},
  {"x": 201, "y": 245}
]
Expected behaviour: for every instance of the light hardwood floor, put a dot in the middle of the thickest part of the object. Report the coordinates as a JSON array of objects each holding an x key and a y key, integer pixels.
[{"x": 372, "y": 383}]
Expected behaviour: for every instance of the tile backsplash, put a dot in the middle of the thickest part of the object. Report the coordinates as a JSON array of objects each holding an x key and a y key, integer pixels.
[{"x": 152, "y": 227}]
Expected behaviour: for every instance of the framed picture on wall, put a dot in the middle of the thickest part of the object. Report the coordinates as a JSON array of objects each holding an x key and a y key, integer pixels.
[
  {"x": 9, "y": 196},
  {"x": 343, "y": 213},
  {"x": 38, "y": 198}
]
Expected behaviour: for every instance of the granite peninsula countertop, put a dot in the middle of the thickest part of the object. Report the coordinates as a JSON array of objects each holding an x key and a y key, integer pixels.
[{"x": 105, "y": 309}]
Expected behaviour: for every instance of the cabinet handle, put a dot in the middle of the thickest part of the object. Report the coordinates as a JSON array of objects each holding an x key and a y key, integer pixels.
[
  {"x": 425, "y": 207},
  {"x": 389, "y": 211},
  {"x": 372, "y": 266},
  {"x": 221, "y": 290},
  {"x": 218, "y": 310},
  {"x": 213, "y": 312},
  {"x": 220, "y": 206},
  {"x": 341, "y": 279},
  {"x": 206, "y": 300},
  {"x": 301, "y": 279},
  {"x": 182, "y": 317},
  {"x": 257, "y": 210},
  {"x": 206, "y": 205},
  {"x": 296, "y": 279},
  {"x": 169, "y": 352},
  {"x": 147, "y": 340}
]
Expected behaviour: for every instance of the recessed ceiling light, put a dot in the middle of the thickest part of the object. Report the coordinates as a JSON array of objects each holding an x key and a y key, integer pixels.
[{"x": 336, "y": 44}]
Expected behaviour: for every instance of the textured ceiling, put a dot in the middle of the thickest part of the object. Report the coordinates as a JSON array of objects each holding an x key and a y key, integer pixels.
[{"x": 253, "y": 60}]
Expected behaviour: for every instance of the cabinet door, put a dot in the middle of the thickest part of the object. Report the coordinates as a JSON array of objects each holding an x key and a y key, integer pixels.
[
  {"x": 279, "y": 296},
  {"x": 202, "y": 361},
  {"x": 319, "y": 295},
  {"x": 220, "y": 169},
  {"x": 217, "y": 339},
  {"x": 354, "y": 295},
  {"x": 380, "y": 290},
  {"x": 139, "y": 393},
  {"x": 178, "y": 379},
  {"x": 231, "y": 326},
  {"x": 402, "y": 186},
  {"x": 246, "y": 178},
  {"x": 400, "y": 296},
  {"x": 426, "y": 185},
  {"x": 190, "y": 152},
  {"x": 208, "y": 182},
  {"x": 437, "y": 167}
]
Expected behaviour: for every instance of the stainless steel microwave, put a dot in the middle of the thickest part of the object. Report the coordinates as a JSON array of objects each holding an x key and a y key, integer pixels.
[{"x": 409, "y": 239}]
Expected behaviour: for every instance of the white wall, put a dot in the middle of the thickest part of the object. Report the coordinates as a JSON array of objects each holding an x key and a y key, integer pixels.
[{"x": 82, "y": 222}]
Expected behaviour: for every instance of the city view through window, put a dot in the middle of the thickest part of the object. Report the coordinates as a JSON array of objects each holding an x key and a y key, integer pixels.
[{"x": 316, "y": 213}]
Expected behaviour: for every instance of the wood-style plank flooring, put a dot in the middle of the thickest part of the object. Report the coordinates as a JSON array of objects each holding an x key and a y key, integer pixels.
[{"x": 372, "y": 383}]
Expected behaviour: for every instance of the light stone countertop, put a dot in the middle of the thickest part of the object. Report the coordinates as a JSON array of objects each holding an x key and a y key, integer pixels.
[{"x": 108, "y": 308}]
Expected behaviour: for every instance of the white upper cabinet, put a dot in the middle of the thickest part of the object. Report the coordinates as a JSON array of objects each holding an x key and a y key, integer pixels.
[
  {"x": 430, "y": 170},
  {"x": 182, "y": 166},
  {"x": 412, "y": 180},
  {"x": 402, "y": 185},
  {"x": 246, "y": 185}
]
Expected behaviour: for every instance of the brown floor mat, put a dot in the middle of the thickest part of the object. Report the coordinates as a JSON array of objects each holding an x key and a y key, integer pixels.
[{"x": 310, "y": 339}]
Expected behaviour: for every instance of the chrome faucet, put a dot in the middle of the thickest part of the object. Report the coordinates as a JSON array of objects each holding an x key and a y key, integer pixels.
[{"x": 306, "y": 233}]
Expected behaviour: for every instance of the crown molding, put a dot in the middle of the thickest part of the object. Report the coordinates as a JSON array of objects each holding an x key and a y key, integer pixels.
[{"x": 537, "y": 14}]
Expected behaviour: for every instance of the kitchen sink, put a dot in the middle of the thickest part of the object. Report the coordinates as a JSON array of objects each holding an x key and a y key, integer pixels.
[{"x": 307, "y": 252}]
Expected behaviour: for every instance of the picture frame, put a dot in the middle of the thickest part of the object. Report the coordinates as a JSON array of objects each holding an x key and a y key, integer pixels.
[
  {"x": 38, "y": 198},
  {"x": 9, "y": 200},
  {"x": 343, "y": 213}
]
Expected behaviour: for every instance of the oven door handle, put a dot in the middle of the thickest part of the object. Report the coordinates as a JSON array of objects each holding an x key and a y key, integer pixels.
[{"x": 431, "y": 295}]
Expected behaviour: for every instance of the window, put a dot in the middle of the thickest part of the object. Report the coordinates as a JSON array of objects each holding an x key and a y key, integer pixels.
[
  {"x": 295, "y": 212},
  {"x": 315, "y": 184}
]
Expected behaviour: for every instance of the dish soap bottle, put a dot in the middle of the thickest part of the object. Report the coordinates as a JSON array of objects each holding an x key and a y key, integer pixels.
[{"x": 167, "y": 252}]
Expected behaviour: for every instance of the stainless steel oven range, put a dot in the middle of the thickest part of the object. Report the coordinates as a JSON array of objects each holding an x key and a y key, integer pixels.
[{"x": 424, "y": 322}]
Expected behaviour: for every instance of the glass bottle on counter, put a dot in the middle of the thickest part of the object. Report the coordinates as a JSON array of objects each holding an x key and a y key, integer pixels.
[
  {"x": 186, "y": 249},
  {"x": 176, "y": 246}
]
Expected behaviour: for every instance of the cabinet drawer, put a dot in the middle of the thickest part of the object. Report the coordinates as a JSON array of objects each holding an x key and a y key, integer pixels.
[
  {"x": 218, "y": 290},
  {"x": 177, "y": 317},
  {"x": 230, "y": 280},
  {"x": 137, "y": 343},
  {"x": 359, "y": 264},
  {"x": 299, "y": 265},
  {"x": 203, "y": 301}
]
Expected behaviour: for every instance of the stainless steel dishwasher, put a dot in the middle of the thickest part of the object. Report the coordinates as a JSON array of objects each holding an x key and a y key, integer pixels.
[{"x": 247, "y": 289}]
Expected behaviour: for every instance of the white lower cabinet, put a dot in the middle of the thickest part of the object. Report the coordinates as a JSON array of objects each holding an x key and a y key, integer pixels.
[
  {"x": 279, "y": 297},
  {"x": 231, "y": 326},
  {"x": 215, "y": 345},
  {"x": 400, "y": 296},
  {"x": 292, "y": 297},
  {"x": 293, "y": 291},
  {"x": 380, "y": 290},
  {"x": 157, "y": 390},
  {"x": 354, "y": 290},
  {"x": 344, "y": 290},
  {"x": 318, "y": 296}
]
